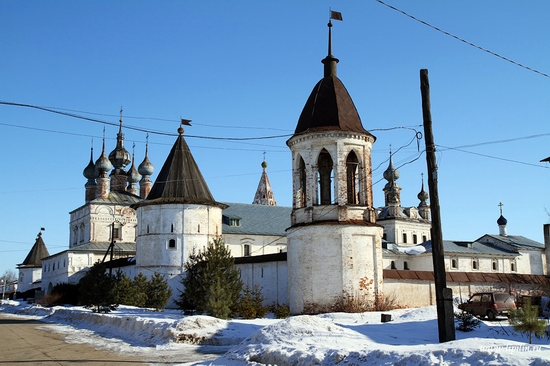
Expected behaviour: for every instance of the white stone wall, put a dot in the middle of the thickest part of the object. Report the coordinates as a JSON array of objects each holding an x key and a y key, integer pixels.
[
  {"x": 94, "y": 222},
  {"x": 67, "y": 267},
  {"x": 270, "y": 277},
  {"x": 394, "y": 230},
  {"x": 27, "y": 276},
  {"x": 192, "y": 227},
  {"x": 258, "y": 244},
  {"x": 328, "y": 262}
]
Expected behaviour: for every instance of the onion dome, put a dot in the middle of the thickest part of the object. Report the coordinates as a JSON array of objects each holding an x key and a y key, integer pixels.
[
  {"x": 90, "y": 172},
  {"x": 146, "y": 167},
  {"x": 391, "y": 174},
  {"x": 133, "y": 175},
  {"x": 502, "y": 221},
  {"x": 423, "y": 196},
  {"x": 103, "y": 164},
  {"x": 119, "y": 157}
]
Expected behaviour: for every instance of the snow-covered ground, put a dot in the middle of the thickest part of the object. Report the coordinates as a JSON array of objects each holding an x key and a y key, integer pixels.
[{"x": 411, "y": 338}]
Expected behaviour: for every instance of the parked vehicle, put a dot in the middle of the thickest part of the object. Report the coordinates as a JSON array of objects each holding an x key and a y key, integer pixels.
[{"x": 489, "y": 304}]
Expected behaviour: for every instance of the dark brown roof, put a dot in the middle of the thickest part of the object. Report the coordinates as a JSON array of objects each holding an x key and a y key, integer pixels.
[
  {"x": 479, "y": 277},
  {"x": 180, "y": 180},
  {"x": 329, "y": 107},
  {"x": 38, "y": 251}
]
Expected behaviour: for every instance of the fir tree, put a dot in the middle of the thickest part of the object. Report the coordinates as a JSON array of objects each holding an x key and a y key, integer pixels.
[
  {"x": 96, "y": 289},
  {"x": 125, "y": 291},
  {"x": 211, "y": 283},
  {"x": 526, "y": 320},
  {"x": 158, "y": 292},
  {"x": 140, "y": 285}
]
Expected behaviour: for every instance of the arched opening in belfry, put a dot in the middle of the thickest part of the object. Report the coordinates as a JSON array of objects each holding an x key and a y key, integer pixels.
[
  {"x": 324, "y": 167},
  {"x": 352, "y": 177},
  {"x": 302, "y": 191}
]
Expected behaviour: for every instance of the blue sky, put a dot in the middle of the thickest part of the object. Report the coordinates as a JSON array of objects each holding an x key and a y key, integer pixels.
[{"x": 245, "y": 69}]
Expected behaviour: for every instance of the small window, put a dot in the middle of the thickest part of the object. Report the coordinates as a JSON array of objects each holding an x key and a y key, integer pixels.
[
  {"x": 415, "y": 239},
  {"x": 404, "y": 238},
  {"x": 405, "y": 265},
  {"x": 513, "y": 266},
  {"x": 172, "y": 244},
  {"x": 199, "y": 228},
  {"x": 393, "y": 265},
  {"x": 172, "y": 228},
  {"x": 246, "y": 249},
  {"x": 454, "y": 263},
  {"x": 495, "y": 265},
  {"x": 234, "y": 222},
  {"x": 424, "y": 238},
  {"x": 475, "y": 264},
  {"x": 147, "y": 229},
  {"x": 116, "y": 233}
]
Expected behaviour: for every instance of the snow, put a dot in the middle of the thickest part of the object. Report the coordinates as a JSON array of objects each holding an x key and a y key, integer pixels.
[
  {"x": 418, "y": 249},
  {"x": 168, "y": 337}
]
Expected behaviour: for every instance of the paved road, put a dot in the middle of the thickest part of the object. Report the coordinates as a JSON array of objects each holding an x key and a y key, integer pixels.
[
  {"x": 23, "y": 343},
  {"x": 27, "y": 342}
]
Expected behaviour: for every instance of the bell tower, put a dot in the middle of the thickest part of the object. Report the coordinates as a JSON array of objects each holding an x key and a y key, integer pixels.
[{"x": 334, "y": 243}]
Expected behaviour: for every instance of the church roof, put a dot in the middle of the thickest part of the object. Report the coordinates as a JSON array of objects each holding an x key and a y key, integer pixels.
[
  {"x": 180, "y": 180},
  {"x": 264, "y": 194},
  {"x": 38, "y": 251},
  {"x": 329, "y": 107},
  {"x": 466, "y": 247},
  {"x": 242, "y": 218},
  {"x": 517, "y": 241},
  {"x": 101, "y": 247}
]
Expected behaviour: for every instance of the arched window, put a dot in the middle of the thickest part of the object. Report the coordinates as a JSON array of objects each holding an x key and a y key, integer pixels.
[
  {"x": 172, "y": 244},
  {"x": 324, "y": 166},
  {"x": 352, "y": 176},
  {"x": 302, "y": 196}
]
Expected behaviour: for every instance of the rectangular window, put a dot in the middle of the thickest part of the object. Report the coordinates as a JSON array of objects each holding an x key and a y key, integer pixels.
[
  {"x": 246, "y": 250},
  {"x": 116, "y": 233},
  {"x": 404, "y": 238},
  {"x": 454, "y": 263},
  {"x": 172, "y": 244},
  {"x": 415, "y": 239},
  {"x": 234, "y": 222}
]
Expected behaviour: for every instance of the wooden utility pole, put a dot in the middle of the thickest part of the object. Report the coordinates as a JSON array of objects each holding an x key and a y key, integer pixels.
[{"x": 443, "y": 295}]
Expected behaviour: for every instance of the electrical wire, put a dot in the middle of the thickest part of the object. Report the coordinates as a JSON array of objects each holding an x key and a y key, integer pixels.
[{"x": 463, "y": 40}]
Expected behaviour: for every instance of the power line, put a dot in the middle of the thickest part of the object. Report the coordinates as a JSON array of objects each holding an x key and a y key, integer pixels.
[{"x": 463, "y": 40}]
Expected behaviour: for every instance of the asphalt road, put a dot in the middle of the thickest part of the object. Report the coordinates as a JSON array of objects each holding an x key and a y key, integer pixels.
[{"x": 28, "y": 342}]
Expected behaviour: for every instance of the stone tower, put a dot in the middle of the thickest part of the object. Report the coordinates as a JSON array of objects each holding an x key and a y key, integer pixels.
[
  {"x": 334, "y": 243},
  {"x": 264, "y": 194},
  {"x": 179, "y": 215}
]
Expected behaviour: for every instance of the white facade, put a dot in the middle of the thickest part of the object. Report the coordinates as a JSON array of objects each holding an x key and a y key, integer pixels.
[
  {"x": 28, "y": 278},
  {"x": 168, "y": 233},
  {"x": 98, "y": 220}
]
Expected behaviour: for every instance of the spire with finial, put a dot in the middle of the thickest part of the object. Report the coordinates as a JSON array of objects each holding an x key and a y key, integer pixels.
[
  {"x": 392, "y": 191},
  {"x": 90, "y": 173},
  {"x": 502, "y": 222},
  {"x": 133, "y": 175},
  {"x": 146, "y": 169},
  {"x": 423, "y": 207},
  {"x": 264, "y": 194},
  {"x": 330, "y": 61},
  {"x": 103, "y": 165},
  {"x": 120, "y": 158}
]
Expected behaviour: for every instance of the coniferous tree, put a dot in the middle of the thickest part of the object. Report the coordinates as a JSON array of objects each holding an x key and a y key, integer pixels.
[
  {"x": 96, "y": 289},
  {"x": 190, "y": 299},
  {"x": 125, "y": 291},
  {"x": 526, "y": 320},
  {"x": 140, "y": 285},
  {"x": 158, "y": 292},
  {"x": 211, "y": 284}
]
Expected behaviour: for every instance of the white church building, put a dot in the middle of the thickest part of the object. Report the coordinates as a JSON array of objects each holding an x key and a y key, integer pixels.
[{"x": 333, "y": 245}]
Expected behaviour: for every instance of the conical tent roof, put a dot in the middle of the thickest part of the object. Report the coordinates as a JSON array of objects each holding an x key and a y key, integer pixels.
[
  {"x": 38, "y": 251},
  {"x": 180, "y": 180}
]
